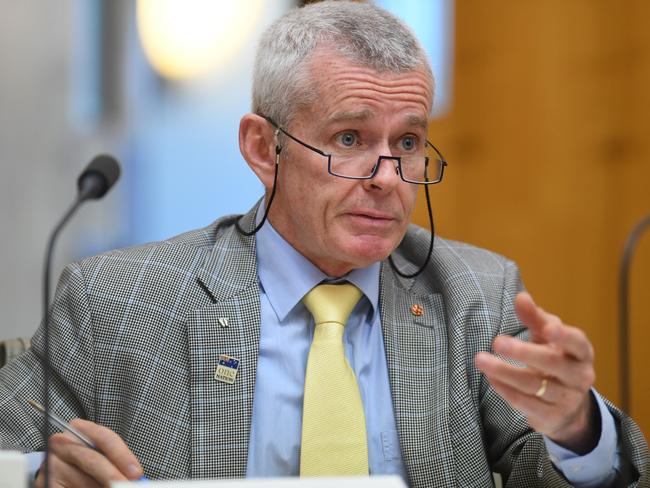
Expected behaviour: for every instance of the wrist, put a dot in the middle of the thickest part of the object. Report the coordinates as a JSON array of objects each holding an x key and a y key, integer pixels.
[{"x": 582, "y": 434}]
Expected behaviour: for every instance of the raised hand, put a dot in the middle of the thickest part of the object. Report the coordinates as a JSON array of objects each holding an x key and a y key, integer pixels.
[{"x": 551, "y": 386}]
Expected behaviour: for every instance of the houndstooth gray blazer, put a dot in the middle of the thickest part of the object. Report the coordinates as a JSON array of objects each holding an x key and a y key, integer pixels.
[{"x": 136, "y": 336}]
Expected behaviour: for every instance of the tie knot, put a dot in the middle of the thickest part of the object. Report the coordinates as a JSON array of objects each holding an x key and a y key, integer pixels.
[{"x": 332, "y": 303}]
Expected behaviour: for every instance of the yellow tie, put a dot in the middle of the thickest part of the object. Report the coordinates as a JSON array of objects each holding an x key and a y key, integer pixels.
[{"x": 334, "y": 441}]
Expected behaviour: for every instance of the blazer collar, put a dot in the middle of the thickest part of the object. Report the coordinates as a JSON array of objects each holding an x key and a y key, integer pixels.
[{"x": 231, "y": 265}]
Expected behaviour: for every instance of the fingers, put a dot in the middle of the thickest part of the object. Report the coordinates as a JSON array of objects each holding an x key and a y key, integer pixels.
[
  {"x": 546, "y": 328},
  {"x": 74, "y": 464},
  {"x": 574, "y": 342},
  {"x": 560, "y": 351},
  {"x": 527, "y": 381},
  {"x": 78, "y": 460},
  {"x": 543, "y": 416},
  {"x": 541, "y": 324},
  {"x": 526, "y": 403},
  {"x": 531, "y": 315},
  {"x": 565, "y": 415},
  {"x": 62, "y": 474},
  {"x": 546, "y": 361},
  {"x": 549, "y": 405},
  {"x": 552, "y": 387},
  {"x": 522, "y": 379},
  {"x": 112, "y": 447}
]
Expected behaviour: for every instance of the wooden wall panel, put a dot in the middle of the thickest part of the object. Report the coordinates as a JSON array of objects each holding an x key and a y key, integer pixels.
[{"x": 548, "y": 140}]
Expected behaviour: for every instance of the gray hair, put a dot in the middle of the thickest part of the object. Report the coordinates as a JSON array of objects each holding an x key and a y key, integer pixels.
[{"x": 361, "y": 32}]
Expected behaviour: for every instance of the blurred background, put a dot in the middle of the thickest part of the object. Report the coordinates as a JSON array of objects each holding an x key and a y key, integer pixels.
[{"x": 542, "y": 110}]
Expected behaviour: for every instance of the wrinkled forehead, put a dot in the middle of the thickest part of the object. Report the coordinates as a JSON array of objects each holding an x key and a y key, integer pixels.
[
  {"x": 330, "y": 73},
  {"x": 342, "y": 88}
]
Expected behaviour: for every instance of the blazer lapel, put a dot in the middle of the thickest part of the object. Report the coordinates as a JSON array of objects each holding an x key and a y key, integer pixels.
[
  {"x": 416, "y": 353},
  {"x": 221, "y": 411}
]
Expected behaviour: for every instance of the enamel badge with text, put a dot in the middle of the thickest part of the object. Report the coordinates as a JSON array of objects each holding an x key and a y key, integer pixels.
[{"x": 227, "y": 368}]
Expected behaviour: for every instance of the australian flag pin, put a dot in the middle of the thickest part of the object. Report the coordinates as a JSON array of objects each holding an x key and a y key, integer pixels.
[{"x": 227, "y": 368}]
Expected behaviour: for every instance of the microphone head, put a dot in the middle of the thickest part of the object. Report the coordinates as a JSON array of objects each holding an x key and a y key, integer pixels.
[{"x": 98, "y": 177}]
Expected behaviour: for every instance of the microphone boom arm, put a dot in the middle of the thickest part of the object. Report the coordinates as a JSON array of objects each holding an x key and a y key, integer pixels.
[
  {"x": 93, "y": 183},
  {"x": 624, "y": 318}
]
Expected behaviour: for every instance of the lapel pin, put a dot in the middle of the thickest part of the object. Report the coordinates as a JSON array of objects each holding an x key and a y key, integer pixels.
[
  {"x": 227, "y": 368},
  {"x": 223, "y": 322},
  {"x": 417, "y": 310}
]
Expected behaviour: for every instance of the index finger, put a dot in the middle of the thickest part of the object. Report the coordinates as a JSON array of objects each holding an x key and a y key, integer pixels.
[
  {"x": 112, "y": 446},
  {"x": 547, "y": 328},
  {"x": 532, "y": 315},
  {"x": 573, "y": 341}
]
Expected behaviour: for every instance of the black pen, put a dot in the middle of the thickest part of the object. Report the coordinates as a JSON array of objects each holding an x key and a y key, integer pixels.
[{"x": 63, "y": 425}]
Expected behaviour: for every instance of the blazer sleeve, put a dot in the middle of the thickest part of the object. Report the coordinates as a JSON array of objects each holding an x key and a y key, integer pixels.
[
  {"x": 516, "y": 451},
  {"x": 72, "y": 390}
]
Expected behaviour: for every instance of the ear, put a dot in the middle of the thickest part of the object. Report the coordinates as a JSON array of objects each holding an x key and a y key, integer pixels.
[{"x": 257, "y": 144}]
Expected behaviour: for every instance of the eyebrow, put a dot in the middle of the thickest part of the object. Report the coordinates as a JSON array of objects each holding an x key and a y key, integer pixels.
[
  {"x": 363, "y": 114},
  {"x": 417, "y": 120},
  {"x": 366, "y": 113}
]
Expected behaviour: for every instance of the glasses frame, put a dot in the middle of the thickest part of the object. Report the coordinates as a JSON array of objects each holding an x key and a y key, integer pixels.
[{"x": 375, "y": 168}]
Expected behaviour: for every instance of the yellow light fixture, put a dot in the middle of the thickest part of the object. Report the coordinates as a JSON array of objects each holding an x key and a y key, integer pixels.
[{"x": 188, "y": 38}]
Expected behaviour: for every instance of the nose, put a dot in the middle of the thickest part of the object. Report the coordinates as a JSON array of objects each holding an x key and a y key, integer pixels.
[{"x": 386, "y": 174}]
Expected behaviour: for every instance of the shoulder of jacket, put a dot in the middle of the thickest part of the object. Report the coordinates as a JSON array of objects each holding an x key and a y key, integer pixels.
[
  {"x": 200, "y": 240},
  {"x": 418, "y": 239}
]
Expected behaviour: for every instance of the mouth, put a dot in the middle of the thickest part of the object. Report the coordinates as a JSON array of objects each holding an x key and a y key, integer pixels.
[{"x": 371, "y": 219}]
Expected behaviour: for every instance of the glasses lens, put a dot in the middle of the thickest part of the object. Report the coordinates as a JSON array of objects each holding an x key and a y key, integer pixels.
[
  {"x": 422, "y": 165},
  {"x": 418, "y": 168},
  {"x": 352, "y": 163}
]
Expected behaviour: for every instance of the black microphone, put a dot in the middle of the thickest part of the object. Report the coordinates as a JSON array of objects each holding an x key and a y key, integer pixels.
[
  {"x": 98, "y": 177},
  {"x": 93, "y": 183}
]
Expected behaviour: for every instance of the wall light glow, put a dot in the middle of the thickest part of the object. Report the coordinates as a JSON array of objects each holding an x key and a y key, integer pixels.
[{"x": 188, "y": 38}]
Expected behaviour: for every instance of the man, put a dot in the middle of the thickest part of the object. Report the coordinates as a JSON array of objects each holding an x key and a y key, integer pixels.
[{"x": 341, "y": 97}]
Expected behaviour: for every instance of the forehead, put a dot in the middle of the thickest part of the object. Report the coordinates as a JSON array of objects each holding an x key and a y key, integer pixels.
[{"x": 346, "y": 90}]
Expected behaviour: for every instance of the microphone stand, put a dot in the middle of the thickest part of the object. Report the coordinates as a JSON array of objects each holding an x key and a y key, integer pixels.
[
  {"x": 46, "y": 328},
  {"x": 624, "y": 318},
  {"x": 93, "y": 183}
]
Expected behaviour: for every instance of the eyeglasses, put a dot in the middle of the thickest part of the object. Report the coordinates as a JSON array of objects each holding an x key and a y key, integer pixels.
[{"x": 417, "y": 163}]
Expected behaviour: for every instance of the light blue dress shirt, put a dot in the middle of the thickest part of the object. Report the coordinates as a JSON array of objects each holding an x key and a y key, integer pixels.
[
  {"x": 285, "y": 276},
  {"x": 285, "y": 337}
]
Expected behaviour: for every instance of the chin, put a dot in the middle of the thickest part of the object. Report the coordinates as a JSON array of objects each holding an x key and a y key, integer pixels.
[{"x": 370, "y": 249}]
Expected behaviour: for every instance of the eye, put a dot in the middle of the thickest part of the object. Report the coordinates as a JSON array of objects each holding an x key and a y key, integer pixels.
[
  {"x": 408, "y": 143},
  {"x": 347, "y": 139}
]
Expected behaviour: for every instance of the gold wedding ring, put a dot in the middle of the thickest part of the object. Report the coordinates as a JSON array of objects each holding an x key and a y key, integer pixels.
[{"x": 542, "y": 388}]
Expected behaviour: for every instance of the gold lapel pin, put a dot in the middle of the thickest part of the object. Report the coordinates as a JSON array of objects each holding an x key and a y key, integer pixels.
[{"x": 417, "y": 310}]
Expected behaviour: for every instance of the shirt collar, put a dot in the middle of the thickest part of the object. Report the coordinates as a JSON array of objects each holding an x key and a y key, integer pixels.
[{"x": 286, "y": 275}]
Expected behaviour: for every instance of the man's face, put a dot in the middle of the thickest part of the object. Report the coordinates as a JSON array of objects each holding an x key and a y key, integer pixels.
[{"x": 341, "y": 224}]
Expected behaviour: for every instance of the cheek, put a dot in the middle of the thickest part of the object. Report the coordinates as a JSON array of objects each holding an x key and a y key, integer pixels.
[
  {"x": 409, "y": 197},
  {"x": 306, "y": 195}
]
